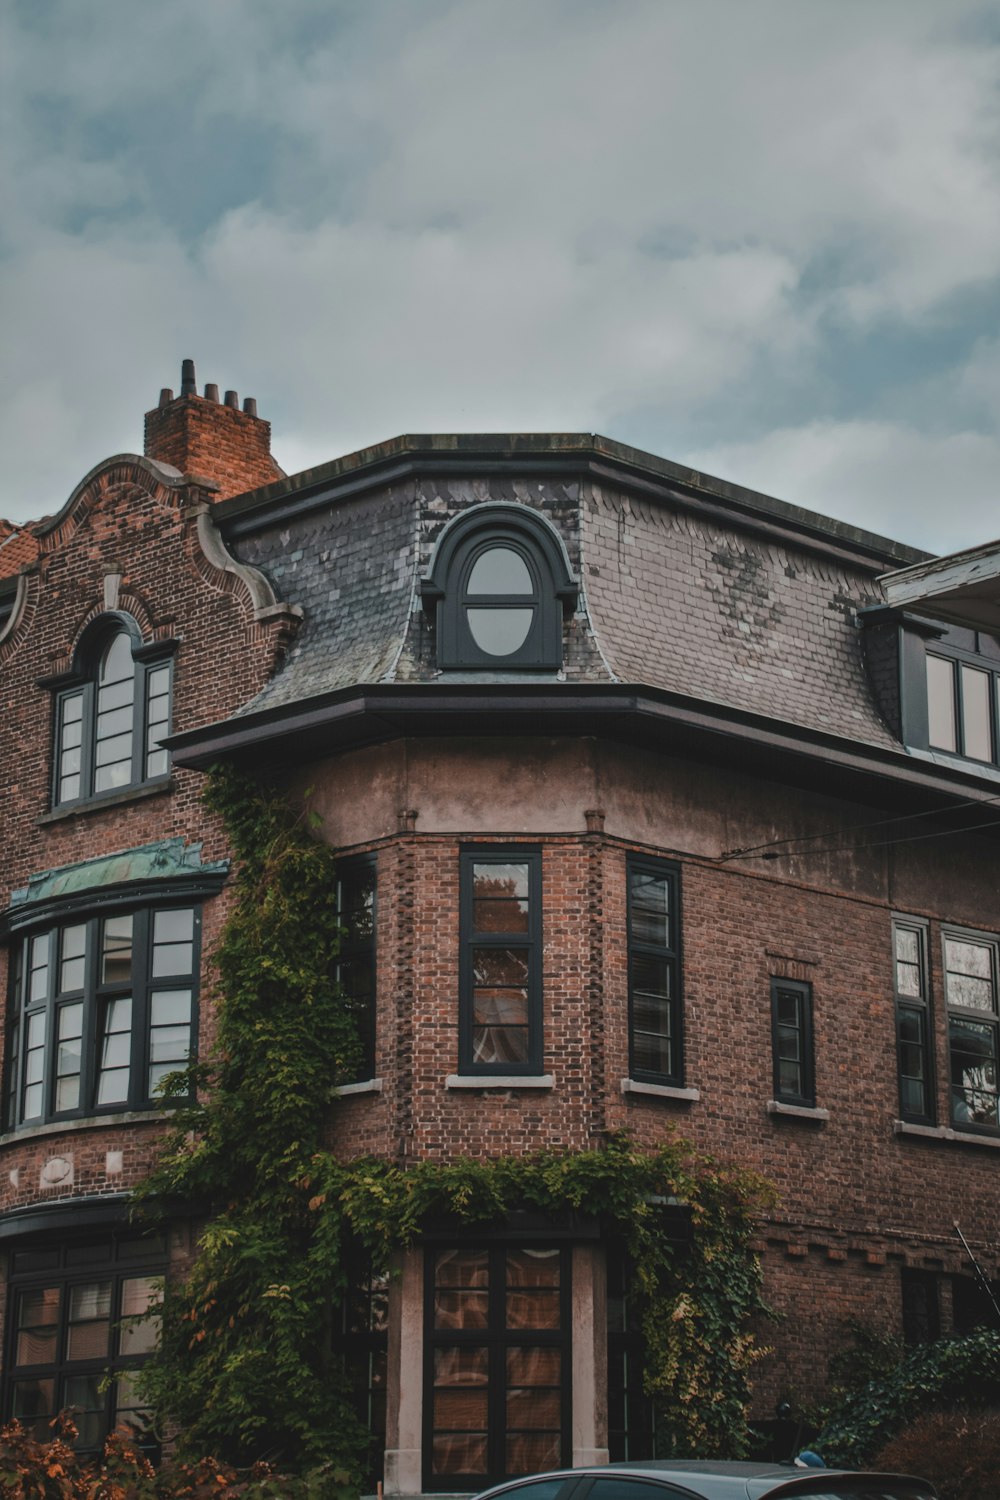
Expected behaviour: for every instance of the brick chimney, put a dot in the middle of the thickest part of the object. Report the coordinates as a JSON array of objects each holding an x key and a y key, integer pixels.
[{"x": 211, "y": 438}]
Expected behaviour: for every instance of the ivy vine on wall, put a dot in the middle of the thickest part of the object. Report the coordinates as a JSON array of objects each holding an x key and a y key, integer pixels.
[{"x": 247, "y": 1364}]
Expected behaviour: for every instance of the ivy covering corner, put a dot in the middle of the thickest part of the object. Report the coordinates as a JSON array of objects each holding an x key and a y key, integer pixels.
[{"x": 247, "y": 1364}]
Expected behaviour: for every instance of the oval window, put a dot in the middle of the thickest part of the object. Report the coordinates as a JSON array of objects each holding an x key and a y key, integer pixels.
[
  {"x": 500, "y": 570},
  {"x": 500, "y": 632}
]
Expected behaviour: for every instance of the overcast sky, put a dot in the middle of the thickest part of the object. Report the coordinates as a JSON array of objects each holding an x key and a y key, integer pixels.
[{"x": 760, "y": 237}]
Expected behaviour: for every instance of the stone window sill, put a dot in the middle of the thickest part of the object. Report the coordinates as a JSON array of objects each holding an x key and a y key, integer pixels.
[
  {"x": 661, "y": 1091},
  {"x": 945, "y": 1133},
  {"x": 112, "y": 799},
  {"x": 797, "y": 1111},
  {"x": 86, "y": 1122},
  {"x": 500, "y": 1081},
  {"x": 366, "y": 1086}
]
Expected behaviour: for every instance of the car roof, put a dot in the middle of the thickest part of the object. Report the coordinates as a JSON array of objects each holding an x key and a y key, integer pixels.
[{"x": 727, "y": 1479}]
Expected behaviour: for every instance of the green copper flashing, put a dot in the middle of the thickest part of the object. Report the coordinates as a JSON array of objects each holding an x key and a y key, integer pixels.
[{"x": 166, "y": 860}]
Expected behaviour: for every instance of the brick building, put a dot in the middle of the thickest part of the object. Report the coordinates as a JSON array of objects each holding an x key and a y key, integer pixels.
[{"x": 660, "y": 804}]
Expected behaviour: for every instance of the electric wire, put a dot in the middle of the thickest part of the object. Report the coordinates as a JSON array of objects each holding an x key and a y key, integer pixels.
[
  {"x": 750, "y": 851},
  {"x": 912, "y": 838}
]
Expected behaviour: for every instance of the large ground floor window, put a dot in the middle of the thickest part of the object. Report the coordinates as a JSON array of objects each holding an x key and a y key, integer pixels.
[
  {"x": 497, "y": 1372},
  {"x": 79, "y": 1328}
]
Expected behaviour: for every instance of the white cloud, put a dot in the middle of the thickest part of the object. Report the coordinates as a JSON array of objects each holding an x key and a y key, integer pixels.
[
  {"x": 937, "y": 492},
  {"x": 380, "y": 217}
]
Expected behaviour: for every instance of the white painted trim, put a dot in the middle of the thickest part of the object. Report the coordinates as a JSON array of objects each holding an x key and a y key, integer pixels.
[
  {"x": 366, "y": 1086},
  {"x": 796, "y": 1111},
  {"x": 945, "y": 1133},
  {"x": 660, "y": 1091}
]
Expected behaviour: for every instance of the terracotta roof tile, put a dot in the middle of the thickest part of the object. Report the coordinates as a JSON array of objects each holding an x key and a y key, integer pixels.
[{"x": 18, "y": 548}]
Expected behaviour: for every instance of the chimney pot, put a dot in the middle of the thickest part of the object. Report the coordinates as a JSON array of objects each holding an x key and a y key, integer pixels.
[
  {"x": 189, "y": 386},
  {"x": 166, "y": 396},
  {"x": 233, "y": 400},
  {"x": 250, "y": 406},
  {"x": 211, "y": 393}
]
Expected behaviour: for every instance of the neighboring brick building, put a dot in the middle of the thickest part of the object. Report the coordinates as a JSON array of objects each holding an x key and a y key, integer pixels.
[{"x": 670, "y": 806}]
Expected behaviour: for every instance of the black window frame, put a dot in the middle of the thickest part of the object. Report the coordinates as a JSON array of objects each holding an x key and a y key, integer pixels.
[
  {"x": 82, "y": 684},
  {"x": 95, "y": 996},
  {"x": 75, "y": 1262},
  {"x": 988, "y": 1019},
  {"x": 360, "y": 949},
  {"x": 802, "y": 992},
  {"x": 916, "y": 1010},
  {"x": 529, "y": 942},
  {"x": 920, "y": 1305},
  {"x": 446, "y": 597},
  {"x": 978, "y": 651},
  {"x": 499, "y": 1338},
  {"x": 670, "y": 954}
]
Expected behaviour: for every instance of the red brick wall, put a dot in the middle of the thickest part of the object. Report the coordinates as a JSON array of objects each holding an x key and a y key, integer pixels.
[
  {"x": 216, "y": 442},
  {"x": 856, "y": 1202},
  {"x": 126, "y": 521}
]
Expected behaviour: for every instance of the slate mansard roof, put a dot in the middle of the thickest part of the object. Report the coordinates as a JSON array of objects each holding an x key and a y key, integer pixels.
[{"x": 690, "y": 587}]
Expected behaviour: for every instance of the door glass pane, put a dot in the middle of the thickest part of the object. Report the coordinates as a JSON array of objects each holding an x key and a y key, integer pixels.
[
  {"x": 528, "y": 1451},
  {"x": 462, "y": 1296},
  {"x": 533, "y": 1289},
  {"x": 941, "y": 703},
  {"x": 459, "y": 1453},
  {"x": 976, "y": 714}
]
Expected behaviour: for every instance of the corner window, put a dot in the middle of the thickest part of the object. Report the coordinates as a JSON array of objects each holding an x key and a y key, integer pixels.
[
  {"x": 498, "y": 590},
  {"x": 111, "y": 718},
  {"x": 79, "y": 1329},
  {"x": 102, "y": 1008},
  {"x": 962, "y": 697},
  {"x": 970, "y": 974},
  {"x": 497, "y": 1367},
  {"x": 654, "y": 1002},
  {"x": 500, "y": 1001},
  {"x": 913, "y": 1031},
  {"x": 792, "y": 1042},
  {"x": 356, "y": 959}
]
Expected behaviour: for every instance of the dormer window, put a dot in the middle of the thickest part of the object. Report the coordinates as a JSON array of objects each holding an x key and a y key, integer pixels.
[
  {"x": 498, "y": 591},
  {"x": 111, "y": 715}
]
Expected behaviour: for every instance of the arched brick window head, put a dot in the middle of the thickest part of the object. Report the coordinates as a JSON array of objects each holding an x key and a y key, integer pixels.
[{"x": 112, "y": 712}]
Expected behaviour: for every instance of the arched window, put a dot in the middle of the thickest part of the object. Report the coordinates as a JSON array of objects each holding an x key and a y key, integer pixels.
[
  {"x": 499, "y": 587},
  {"x": 112, "y": 713}
]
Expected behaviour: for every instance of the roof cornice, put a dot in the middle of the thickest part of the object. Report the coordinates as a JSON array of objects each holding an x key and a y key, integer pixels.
[
  {"x": 355, "y": 717},
  {"x": 555, "y": 455}
]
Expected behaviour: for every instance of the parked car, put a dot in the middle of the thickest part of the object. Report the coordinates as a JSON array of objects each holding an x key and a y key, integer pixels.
[{"x": 691, "y": 1479}]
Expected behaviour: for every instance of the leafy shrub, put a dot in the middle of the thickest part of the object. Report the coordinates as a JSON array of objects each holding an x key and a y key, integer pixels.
[
  {"x": 951, "y": 1373},
  {"x": 53, "y": 1470},
  {"x": 958, "y": 1451}
]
